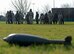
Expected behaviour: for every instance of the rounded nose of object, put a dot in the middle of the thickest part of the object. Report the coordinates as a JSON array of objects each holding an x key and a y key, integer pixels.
[{"x": 4, "y": 39}]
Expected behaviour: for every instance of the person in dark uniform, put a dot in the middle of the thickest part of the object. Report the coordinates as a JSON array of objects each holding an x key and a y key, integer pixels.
[
  {"x": 21, "y": 17},
  {"x": 31, "y": 15},
  {"x": 46, "y": 20},
  {"x": 37, "y": 18},
  {"x": 9, "y": 16},
  {"x": 17, "y": 17},
  {"x": 61, "y": 18},
  {"x": 41, "y": 18},
  {"x": 50, "y": 17},
  {"x": 27, "y": 18},
  {"x": 55, "y": 18}
]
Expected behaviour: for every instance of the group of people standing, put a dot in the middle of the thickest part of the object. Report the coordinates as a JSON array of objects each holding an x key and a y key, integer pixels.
[
  {"x": 11, "y": 18},
  {"x": 50, "y": 18},
  {"x": 47, "y": 18}
]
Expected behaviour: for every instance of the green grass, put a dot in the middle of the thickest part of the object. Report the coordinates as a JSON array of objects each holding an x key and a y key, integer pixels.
[{"x": 45, "y": 31}]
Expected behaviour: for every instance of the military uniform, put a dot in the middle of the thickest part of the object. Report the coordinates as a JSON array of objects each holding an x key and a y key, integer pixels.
[
  {"x": 50, "y": 17},
  {"x": 31, "y": 15},
  {"x": 42, "y": 19},
  {"x": 61, "y": 19}
]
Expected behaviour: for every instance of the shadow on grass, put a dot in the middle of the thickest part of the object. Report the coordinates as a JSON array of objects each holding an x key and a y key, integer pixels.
[
  {"x": 68, "y": 47},
  {"x": 47, "y": 47}
]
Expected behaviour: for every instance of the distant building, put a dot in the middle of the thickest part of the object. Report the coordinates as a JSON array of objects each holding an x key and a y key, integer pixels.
[{"x": 68, "y": 13}]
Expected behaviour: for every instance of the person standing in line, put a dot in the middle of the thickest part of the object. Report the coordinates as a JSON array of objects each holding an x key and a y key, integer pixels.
[
  {"x": 61, "y": 18},
  {"x": 46, "y": 19},
  {"x": 55, "y": 18},
  {"x": 50, "y": 17},
  {"x": 27, "y": 18},
  {"x": 31, "y": 15},
  {"x": 41, "y": 18},
  {"x": 37, "y": 18},
  {"x": 21, "y": 17},
  {"x": 9, "y": 16},
  {"x": 17, "y": 17}
]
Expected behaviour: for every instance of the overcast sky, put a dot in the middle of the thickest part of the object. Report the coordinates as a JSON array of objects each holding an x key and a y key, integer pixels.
[{"x": 6, "y": 4}]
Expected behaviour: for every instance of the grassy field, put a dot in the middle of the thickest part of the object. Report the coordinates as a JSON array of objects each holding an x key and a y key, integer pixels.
[{"x": 45, "y": 31}]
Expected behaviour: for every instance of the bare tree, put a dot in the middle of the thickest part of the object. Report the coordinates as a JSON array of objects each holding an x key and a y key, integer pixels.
[
  {"x": 21, "y": 5},
  {"x": 46, "y": 8}
]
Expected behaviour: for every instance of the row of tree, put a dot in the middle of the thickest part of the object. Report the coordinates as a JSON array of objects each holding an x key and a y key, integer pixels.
[{"x": 24, "y": 6}]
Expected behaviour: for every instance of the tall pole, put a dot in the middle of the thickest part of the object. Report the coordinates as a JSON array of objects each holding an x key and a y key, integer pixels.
[
  {"x": 33, "y": 9},
  {"x": 33, "y": 6},
  {"x": 53, "y": 3}
]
